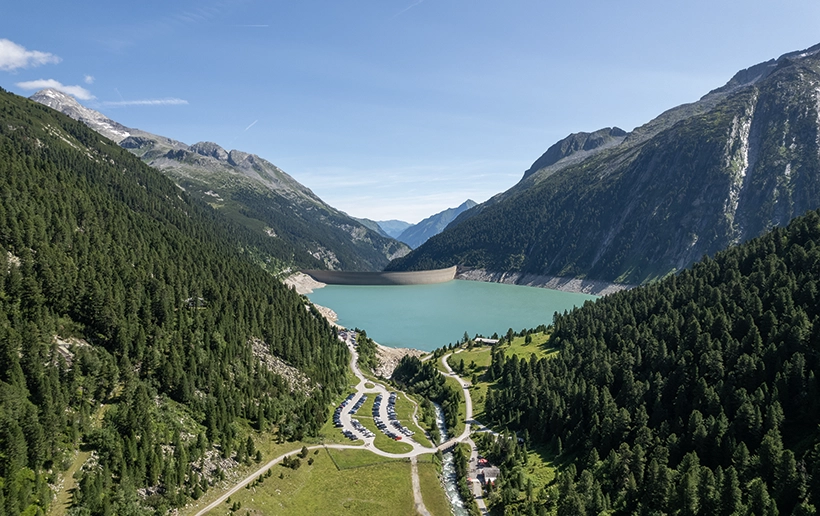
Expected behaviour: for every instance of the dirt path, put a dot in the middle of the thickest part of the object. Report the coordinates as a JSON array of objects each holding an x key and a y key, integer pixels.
[
  {"x": 414, "y": 472},
  {"x": 242, "y": 483}
]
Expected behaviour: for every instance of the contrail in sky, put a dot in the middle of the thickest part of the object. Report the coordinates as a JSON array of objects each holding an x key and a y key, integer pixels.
[
  {"x": 243, "y": 132},
  {"x": 407, "y": 8}
]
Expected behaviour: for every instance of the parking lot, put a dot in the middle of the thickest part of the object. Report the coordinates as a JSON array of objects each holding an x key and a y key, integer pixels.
[{"x": 354, "y": 426}]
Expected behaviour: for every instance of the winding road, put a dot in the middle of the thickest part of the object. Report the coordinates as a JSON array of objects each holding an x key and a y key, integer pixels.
[
  {"x": 478, "y": 494},
  {"x": 418, "y": 449}
]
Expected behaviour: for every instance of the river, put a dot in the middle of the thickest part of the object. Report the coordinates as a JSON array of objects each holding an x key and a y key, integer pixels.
[
  {"x": 427, "y": 317},
  {"x": 448, "y": 469}
]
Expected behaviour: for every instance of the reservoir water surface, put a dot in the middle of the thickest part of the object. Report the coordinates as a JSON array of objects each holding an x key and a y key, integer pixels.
[{"x": 427, "y": 317}]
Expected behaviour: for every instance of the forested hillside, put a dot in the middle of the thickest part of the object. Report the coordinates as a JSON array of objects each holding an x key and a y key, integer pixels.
[
  {"x": 695, "y": 395},
  {"x": 633, "y": 208},
  {"x": 136, "y": 322}
]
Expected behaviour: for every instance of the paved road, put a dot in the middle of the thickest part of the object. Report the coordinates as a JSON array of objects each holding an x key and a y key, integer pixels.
[
  {"x": 242, "y": 483},
  {"x": 465, "y": 435},
  {"x": 417, "y": 450}
]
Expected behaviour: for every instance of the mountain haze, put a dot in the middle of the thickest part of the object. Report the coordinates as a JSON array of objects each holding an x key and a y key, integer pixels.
[
  {"x": 251, "y": 191},
  {"x": 393, "y": 227},
  {"x": 417, "y": 234},
  {"x": 696, "y": 179}
]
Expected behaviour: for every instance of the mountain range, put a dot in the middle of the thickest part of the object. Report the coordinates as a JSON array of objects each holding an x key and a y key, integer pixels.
[
  {"x": 632, "y": 207},
  {"x": 416, "y": 234},
  {"x": 250, "y": 191},
  {"x": 392, "y": 228}
]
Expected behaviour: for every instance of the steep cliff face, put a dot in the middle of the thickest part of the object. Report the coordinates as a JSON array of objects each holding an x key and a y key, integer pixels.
[{"x": 695, "y": 180}]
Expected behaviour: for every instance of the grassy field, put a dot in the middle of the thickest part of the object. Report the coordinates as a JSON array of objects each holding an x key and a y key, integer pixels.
[
  {"x": 404, "y": 411},
  {"x": 350, "y": 459},
  {"x": 366, "y": 485},
  {"x": 479, "y": 394},
  {"x": 475, "y": 360},
  {"x": 523, "y": 350},
  {"x": 540, "y": 466},
  {"x": 431, "y": 491}
]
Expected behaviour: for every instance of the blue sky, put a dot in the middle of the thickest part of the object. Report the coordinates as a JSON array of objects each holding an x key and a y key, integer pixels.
[{"x": 392, "y": 108}]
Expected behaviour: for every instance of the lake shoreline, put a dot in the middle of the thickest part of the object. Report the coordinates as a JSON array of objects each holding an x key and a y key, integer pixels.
[
  {"x": 302, "y": 283},
  {"x": 564, "y": 284},
  {"x": 388, "y": 357}
]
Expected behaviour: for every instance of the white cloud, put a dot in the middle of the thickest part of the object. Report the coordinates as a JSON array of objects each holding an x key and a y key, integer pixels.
[
  {"x": 13, "y": 56},
  {"x": 88, "y": 79},
  {"x": 76, "y": 91},
  {"x": 147, "y": 102}
]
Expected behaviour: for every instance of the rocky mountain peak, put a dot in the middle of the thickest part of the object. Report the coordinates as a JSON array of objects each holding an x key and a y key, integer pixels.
[
  {"x": 68, "y": 105},
  {"x": 55, "y": 98},
  {"x": 239, "y": 158},
  {"x": 576, "y": 143},
  {"x": 137, "y": 142},
  {"x": 210, "y": 149}
]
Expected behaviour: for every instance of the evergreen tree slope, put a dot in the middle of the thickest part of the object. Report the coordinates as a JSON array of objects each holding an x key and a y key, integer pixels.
[
  {"x": 697, "y": 179},
  {"x": 695, "y": 395},
  {"x": 162, "y": 297}
]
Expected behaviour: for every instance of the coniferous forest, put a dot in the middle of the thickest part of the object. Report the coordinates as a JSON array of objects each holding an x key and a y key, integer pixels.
[
  {"x": 156, "y": 300},
  {"x": 694, "y": 395}
]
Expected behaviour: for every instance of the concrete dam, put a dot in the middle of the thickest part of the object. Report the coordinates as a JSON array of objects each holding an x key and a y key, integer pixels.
[{"x": 383, "y": 278}]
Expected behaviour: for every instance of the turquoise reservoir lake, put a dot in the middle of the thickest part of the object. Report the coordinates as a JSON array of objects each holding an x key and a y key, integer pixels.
[{"x": 427, "y": 317}]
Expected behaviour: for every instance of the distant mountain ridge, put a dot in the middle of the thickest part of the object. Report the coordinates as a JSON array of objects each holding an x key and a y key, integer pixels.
[
  {"x": 393, "y": 228},
  {"x": 638, "y": 206},
  {"x": 250, "y": 190},
  {"x": 417, "y": 234}
]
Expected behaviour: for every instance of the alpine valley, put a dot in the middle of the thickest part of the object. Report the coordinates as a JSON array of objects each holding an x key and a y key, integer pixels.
[{"x": 152, "y": 362}]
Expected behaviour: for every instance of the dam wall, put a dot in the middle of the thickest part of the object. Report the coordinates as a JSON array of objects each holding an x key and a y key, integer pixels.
[{"x": 383, "y": 278}]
